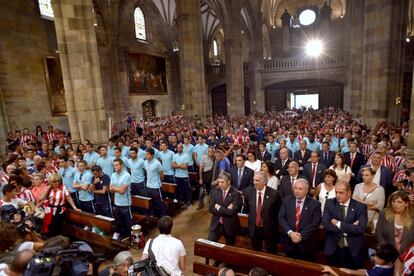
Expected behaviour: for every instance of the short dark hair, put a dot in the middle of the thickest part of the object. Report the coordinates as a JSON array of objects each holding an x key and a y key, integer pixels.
[
  {"x": 118, "y": 149},
  {"x": 241, "y": 155},
  {"x": 64, "y": 158},
  {"x": 150, "y": 151},
  {"x": 258, "y": 271},
  {"x": 120, "y": 161},
  {"x": 387, "y": 252},
  {"x": 330, "y": 172},
  {"x": 8, "y": 188},
  {"x": 165, "y": 225},
  {"x": 133, "y": 149},
  {"x": 96, "y": 169},
  {"x": 270, "y": 167}
]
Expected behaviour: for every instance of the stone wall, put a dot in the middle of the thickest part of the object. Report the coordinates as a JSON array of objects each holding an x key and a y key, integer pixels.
[{"x": 25, "y": 40}]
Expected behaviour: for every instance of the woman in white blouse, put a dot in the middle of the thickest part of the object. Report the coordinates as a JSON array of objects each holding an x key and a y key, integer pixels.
[
  {"x": 370, "y": 193},
  {"x": 342, "y": 170},
  {"x": 326, "y": 189},
  {"x": 252, "y": 162},
  {"x": 269, "y": 171}
]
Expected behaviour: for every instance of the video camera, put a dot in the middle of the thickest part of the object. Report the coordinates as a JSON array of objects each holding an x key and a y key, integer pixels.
[
  {"x": 24, "y": 223},
  {"x": 68, "y": 262}
]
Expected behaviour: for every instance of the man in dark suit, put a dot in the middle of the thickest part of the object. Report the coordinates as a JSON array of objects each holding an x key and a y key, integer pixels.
[
  {"x": 241, "y": 176},
  {"x": 302, "y": 156},
  {"x": 299, "y": 218},
  {"x": 326, "y": 155},
  {"x": 286, "y": 183},
  {"x": 353, "y": 158},
  {"x": 345, "y": 221},
  {"x": 385, "y": 178},
  {"x": 224, "y": 205},
  {"x": 282, "y": 146},
  {"x": 263, "y": 206},
  {"x": 313, "y": 172},
  {"x": 262, "y": 154},
  {"x": 282, "y": 163}
]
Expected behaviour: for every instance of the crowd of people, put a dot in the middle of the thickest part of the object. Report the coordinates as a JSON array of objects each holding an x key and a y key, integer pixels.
[{"x": 290, "y": 171}]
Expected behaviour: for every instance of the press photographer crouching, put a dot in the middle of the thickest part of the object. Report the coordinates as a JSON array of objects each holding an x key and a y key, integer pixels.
[{"x": 18, "y": 223}]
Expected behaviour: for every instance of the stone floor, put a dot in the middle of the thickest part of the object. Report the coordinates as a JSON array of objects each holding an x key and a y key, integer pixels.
[{"x": 189, "y": 225}]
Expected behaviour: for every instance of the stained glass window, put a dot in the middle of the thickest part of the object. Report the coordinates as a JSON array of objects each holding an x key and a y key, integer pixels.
[{"x": 139, "y": 19}]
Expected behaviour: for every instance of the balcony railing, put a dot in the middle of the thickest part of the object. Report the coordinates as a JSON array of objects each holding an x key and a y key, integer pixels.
[
  {"x": 219, "y": 70},
  {"x": 296, "y": 63}
]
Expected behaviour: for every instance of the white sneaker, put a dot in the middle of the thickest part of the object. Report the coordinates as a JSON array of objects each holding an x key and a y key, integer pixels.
[
  {"x": 94, "y": 230},
  {"x": 115, "y": 236}
]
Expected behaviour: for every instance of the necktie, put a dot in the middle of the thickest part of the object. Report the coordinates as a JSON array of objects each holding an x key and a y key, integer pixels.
[
  {"x": 352, "y": 158},
  {"x": 224, "y": 198},
  {"x": 259, "y": 211},
  {"x": 341, "y": 242},
  {"x": 292, "y": 182},
  {"x": 326, "y": 157},
  {"x": 239, "y": 177},
  {"x": 313, "y": 175},
  {"x": 297, "y": 215}
]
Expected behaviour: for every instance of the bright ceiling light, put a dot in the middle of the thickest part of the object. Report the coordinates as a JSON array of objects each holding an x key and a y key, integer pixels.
[
  {"x": 314, "y": 48},
  {"x": 307, "y": 17}
]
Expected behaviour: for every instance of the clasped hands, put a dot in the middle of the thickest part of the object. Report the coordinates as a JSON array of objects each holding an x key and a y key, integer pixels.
[
  {"x": 217, "y": 206},
  {"x": 296, "y": 237}
]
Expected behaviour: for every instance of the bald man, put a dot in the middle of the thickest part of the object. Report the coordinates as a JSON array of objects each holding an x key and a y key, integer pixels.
[
  {"x": 286, "y": 183},
  {"x": 282, "y": 163}
]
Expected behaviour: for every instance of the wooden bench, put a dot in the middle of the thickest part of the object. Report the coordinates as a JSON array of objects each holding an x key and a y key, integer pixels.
[
  {"x": 169, "y": 187},
  {"x": 74, "y": 218},
  {"x": 245, "y": 259},
  {"x": 141, "y": 201},
  {"x": 104, "y": 223}
]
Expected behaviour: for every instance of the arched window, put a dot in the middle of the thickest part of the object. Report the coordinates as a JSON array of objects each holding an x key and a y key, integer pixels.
[
  {"x": 45, "y": 7},
  {"x": 215, "y": 48},
  {"x": 139, "y": 19}
]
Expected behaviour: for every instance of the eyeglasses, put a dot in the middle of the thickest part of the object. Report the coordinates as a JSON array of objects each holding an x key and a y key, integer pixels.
[{"x": 326, "y": 196}]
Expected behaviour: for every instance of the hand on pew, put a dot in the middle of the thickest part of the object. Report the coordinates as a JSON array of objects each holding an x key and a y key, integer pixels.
[{"x": 328, "y": 269}]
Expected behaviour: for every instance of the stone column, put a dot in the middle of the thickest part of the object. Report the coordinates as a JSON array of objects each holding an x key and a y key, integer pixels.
[
  {"x": 410, "y": 142},
  {"x": 192, "y": 77},
  {"x": 384, "y": 34},
  {"x": 258, "y": 95},
  {"x": 80, "y": 68},
  {"x": 234, "y": 59}
]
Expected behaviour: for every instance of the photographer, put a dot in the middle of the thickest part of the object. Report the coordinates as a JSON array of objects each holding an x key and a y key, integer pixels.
[
  {"x": 120, "y": 264},
  {"x": 55, "y": 197},
  {"x": 10, "y": 198}
]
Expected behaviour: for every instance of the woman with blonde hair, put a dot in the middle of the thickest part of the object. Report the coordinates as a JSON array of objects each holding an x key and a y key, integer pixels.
[{"x": 395, "y": 223}]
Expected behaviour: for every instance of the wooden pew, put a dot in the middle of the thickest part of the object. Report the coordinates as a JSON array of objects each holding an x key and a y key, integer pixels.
[
  {"x": 142, "y": 202},
  {"x": 104, "y": 223},
  {"x": 70, "y": 229},
  {"x": 204, "y": 269},
  {"x": 169, "y": 187},
  {"x": 246, "y": 259}
]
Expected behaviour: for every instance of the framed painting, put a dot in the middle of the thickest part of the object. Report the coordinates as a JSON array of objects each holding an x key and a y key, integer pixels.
[
  {"x": 54, "y": 84},
  {"x": 146, "y": 74}
]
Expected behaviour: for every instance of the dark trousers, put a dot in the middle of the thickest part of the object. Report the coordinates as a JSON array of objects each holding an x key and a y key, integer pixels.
[
  {"x": 157, "y": 207},
  {"x": 305, "y": 253},
  {"x": 191, "y": 168},
  {"x": 183, "y": 189},
  {"x": 207, "y": 177},
  {"x": 259, "y": 237},
  {"x": 56, "y": 226},
  {"x": 87, "y": 206},
  {"x": 75, "y": 198},
  {"x": 124, "y": 221},
  {"x": 168, "y": 179},
  {"x": 104, "y": 209},
  {"x": 138, "y": 188},
  {"x": 342, "y": 257},
  {"x": 218, "y": 232}
]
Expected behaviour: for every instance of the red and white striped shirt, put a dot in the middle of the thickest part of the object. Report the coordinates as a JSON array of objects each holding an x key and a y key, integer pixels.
[
  {"x": 386, "y": 161},
  {"x": 399, "y": 161},
  {"x": 24, "y": 140},
  {"x": 26, "y": 194},
  {"x": 5, "y": 179},
  {"x": 50, "y": 137},
  {"x": 400, "y": 175},
  {"x": 366, "y": 149},
  {"x": 57, "y": 198}
]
